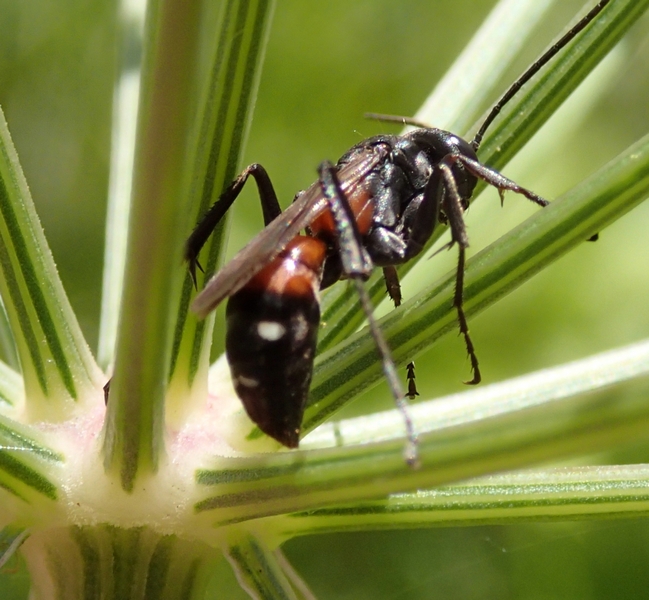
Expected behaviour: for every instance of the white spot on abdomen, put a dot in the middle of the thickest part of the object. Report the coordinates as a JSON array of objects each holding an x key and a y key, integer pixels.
[
  {"x": 248, "y": 382},
  {"x": 271, "y": 331}
]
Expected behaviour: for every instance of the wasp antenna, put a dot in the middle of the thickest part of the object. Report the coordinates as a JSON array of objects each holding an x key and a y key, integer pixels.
[
  {"x": 396, "y": 119},
  {"x": 534, "y": 69}
]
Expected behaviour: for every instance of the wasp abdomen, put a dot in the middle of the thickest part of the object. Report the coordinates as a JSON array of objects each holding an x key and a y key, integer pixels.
[{"x": 272, "y": 327}]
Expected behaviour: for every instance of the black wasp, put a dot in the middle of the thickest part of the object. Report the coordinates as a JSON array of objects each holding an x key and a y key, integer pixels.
[{"x": 378, "y": 206}]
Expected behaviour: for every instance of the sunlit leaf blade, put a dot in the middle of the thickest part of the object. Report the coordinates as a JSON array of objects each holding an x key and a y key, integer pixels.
[
  {"x": 225, "y": 111},
  {"x": 56, "y": 362},
  {"x": 125, "y": 101},
  {"x": 581, "y": 407},
  {"x": 594, "y": 492}
]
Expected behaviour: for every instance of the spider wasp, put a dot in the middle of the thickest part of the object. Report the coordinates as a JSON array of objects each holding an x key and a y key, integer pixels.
[{"x": 376, "y": 207}]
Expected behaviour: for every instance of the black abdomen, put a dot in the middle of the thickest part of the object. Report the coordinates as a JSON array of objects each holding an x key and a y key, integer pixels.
[{"x": 272, "y": 327}]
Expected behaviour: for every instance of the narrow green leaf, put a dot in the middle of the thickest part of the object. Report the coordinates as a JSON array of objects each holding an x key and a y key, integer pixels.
[
  {"x": 225, "y": 114},
  {"x": 16, "y": 476},
  {"x": 56, "y": 362},
  {"x": 596, "y": 492},
  {"x": 585, "y": 376},
  {"x": 16, "y": 437},
  {"x": 7, "y": 344},
  {"x": 570, "y": 410},
  {"x": 25, "y": 464},
  {"x": 300, "y": 587},
  {"x": 125, "y": 101},
  {"x": 12, "y": 390}
]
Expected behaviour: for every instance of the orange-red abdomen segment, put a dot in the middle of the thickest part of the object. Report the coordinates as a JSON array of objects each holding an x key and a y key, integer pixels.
[
  {"x": 296, "y": 271},
  {"x": 272, "y": 328}
]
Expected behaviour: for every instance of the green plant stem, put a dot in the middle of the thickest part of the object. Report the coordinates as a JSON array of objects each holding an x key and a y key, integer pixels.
[
  {"x": 258, "y": 570},
  {"x": 570, "y": 410},
  {"x": 78, "y": 563},
  {"x": 134, "y": 425}
]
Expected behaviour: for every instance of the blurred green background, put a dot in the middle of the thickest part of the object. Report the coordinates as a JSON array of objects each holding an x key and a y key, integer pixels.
[{"x": 328, "y": 63}]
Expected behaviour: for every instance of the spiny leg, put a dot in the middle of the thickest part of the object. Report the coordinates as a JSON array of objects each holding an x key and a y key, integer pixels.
[
  {"x": 269, "y": 206},
  {"x": 453, "y": 210},
  {"x": 357, "y": 266},
  {"x": 500, "y": 182},
  {"x": 411, "y": 377},
  {"x": 458, "y": 303},
  {"x": 391, "y": 278}
]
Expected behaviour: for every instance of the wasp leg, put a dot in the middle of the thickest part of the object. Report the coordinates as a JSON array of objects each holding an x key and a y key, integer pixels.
[
  {"x": 357, "y": 266},
  {"x": 269, "y": 206},
  {"x": 391, "y": 278},
  {"x": 452, "y": 204}
]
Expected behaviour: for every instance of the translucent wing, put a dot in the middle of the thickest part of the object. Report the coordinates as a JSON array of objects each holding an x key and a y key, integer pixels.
[{"x": 274, "y": 238}]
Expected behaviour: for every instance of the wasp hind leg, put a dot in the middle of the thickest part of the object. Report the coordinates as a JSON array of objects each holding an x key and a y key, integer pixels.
[
  {"x": 357, "y": 266},
  {"x": 393, "y": 286}
]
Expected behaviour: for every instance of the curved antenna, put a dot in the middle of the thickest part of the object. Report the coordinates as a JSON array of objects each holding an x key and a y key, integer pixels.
[{"x": 534, "y": 69}]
